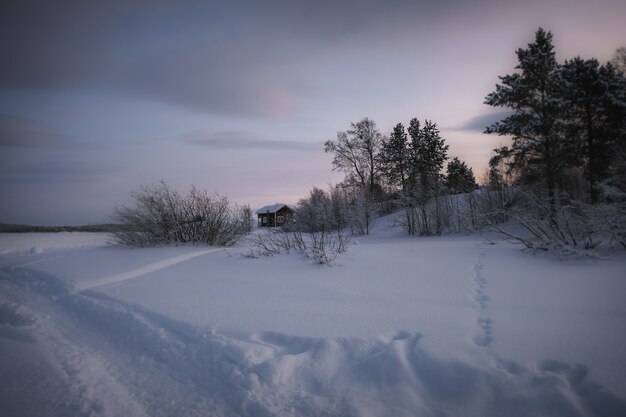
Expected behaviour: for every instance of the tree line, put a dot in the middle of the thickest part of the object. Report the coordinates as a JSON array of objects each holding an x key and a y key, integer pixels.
[
  {"x": 563, "y": 177},
  {"x": 383, "y": 173},
  {"x": 568, "y": 125}
]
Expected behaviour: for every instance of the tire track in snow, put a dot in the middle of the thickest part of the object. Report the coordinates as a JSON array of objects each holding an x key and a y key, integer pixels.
[
  {"x": 483, "y": 335},
  {"x": 143, "y": 270}
]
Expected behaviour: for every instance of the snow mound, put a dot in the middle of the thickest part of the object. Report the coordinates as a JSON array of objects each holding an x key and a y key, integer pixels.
[{"x": 117, "y": 358}]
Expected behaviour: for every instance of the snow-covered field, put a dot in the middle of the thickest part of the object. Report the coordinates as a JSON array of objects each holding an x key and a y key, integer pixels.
[{"x": 398, "y": 326}]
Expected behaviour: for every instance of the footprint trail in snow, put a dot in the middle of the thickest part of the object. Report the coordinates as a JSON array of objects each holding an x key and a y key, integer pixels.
[{"x": 483, "y": 335}]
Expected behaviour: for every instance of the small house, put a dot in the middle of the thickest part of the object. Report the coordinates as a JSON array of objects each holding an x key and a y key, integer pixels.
[{"x": 274, "y": 215}]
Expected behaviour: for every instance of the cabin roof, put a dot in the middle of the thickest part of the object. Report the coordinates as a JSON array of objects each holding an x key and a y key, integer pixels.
[{"x": 272, "y": 208}]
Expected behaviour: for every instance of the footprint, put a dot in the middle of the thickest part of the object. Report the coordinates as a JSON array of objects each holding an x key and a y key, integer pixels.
[
  {"x": 484, "y": 338},
  {"x": 484, "y": 333},
  {"x": 481, "y": 299},
  {"x": 485, "y": 324}
]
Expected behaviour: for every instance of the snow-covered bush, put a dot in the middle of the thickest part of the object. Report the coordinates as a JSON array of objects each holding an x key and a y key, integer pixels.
[
  {"x": 572, "y": 230},
  {"x": 319, "y": 211},
  {"x": 323, "y": 247},
  {"x": 161, "y": 215}
]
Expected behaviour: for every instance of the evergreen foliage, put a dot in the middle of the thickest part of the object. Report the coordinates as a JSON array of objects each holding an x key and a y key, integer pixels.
[
  {"x": 567, "y": 119},
  {"x": 594, "y": 116},
  {"x": 538, "y": 151},
  {"x": 395, "y": 157},
  {"x": 619, "y": 60},
  {"x": 460, "y": 177},
  {"x": 428, "y": 154}
]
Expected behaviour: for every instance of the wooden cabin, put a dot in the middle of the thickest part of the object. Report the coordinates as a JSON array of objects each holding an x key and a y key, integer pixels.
[{"x": 274, "y": 215}]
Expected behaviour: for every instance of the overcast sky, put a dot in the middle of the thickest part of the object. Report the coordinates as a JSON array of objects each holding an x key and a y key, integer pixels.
[{"x": 237, "y": 97}]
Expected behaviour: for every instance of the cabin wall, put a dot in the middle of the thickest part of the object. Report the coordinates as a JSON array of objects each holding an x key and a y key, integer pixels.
[{"x": 279, "y": 218}]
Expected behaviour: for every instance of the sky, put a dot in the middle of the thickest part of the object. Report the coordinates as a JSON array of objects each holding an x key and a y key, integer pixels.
[{"x": 237, "y": 97}]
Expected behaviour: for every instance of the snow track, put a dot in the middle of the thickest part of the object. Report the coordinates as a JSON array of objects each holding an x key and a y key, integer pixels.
[
  {"x": 114, "y": 358},
  {"x": 137, "y": 272},
  {"x": 484, "y": 335}
]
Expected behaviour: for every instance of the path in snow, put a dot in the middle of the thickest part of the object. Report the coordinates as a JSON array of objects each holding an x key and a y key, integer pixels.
[
  {"x": 137, "y": 272},
  {"x": 484, "y": 335}
]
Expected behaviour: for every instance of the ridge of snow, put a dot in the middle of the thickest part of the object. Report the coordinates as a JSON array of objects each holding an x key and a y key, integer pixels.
[
  {"x": 143, "y": 270},
  {"x": 272, "y": 208}
]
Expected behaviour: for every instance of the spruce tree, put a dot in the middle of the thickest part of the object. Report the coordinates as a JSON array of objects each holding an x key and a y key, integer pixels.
[
  {"x": 595, "y": 112},
  {"x": 394, "y": 157},
  {"x": 538, "y": 149},
  {"x": 460, "y": 177},
  {"x": 428, "y": 154}
]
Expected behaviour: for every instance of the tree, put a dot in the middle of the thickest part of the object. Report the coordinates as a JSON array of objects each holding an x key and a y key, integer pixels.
[
  {"x": 355, "y": 152},
  {"x": 428, "y": 153},
  {"x": 538, "y": 149},
  {"x": 500, "y": 172},
  {"x": 460, "y": 177},
  {"x": 619, "y": 60},
  {"x": 395, "y": 157},
  {"x": 316, "y": 213},
  {"x": 594, "y": 115}
]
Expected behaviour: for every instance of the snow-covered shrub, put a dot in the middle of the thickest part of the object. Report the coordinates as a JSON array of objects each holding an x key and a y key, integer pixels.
[
  {"x": 572, "y": 230},
  {"x": 161, "y": 215},
  {"x": 323, "y": 247},
  {"x": 318, "y": 212}
]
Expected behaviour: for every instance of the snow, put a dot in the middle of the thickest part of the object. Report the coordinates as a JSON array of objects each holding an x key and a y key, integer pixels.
[
  {"x": 273, "y": 208},
  {"x": 398, "y": 326},
  {"x": 40, "y": 242}
]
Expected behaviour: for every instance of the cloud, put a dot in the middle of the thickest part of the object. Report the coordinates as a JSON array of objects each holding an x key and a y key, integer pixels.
[
  {"x": 477, "y": 124},
  {"x": 16, "y": 131},
  {"x": 241, "y": 58},
  {"x": 244, "y": 140}
]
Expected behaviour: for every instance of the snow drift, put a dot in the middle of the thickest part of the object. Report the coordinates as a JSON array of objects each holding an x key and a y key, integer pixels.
[{"x": 86, "y": 353}]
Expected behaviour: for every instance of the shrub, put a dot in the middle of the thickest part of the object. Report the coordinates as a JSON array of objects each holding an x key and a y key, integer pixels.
[
  {"x": 323, "y": 247},
  {"x": 161, "y": 216}
]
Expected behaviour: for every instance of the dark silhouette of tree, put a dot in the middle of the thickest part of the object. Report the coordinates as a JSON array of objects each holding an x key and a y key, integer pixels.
[
  {"x": 595, "y": 111},
  {"x": 539, "y": 151},
  {"x": 619, "y": 60},
  {"x": 355, "y": 153},
  {"x": 460, "y": 178},
  {"x": 394, "y": 157}
]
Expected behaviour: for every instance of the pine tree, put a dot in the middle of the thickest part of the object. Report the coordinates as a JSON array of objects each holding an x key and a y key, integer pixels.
[
  {"x": 593, "y": 96},
  {"x": 619, "y": 60},
  {"x": 394, "y": 157},
  {"x": 615, "y": 127},
  {"x": 428, "y": 154},
  {"x": 538, "y": 148},
  {"x": 460, "y": 177}
]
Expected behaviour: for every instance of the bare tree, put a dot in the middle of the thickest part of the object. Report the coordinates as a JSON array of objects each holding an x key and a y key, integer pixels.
[{"x": 356, "y": 153}]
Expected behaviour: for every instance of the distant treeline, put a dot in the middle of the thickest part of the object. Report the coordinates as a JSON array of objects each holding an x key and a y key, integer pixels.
[{"x": 25, "y": 228}]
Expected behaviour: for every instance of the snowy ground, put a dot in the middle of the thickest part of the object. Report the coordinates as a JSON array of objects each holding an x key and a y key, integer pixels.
[{"x": 399, "y": 326}]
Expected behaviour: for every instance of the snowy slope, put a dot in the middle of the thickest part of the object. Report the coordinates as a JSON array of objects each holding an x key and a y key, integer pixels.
[{"x": 399, "y": 326}]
